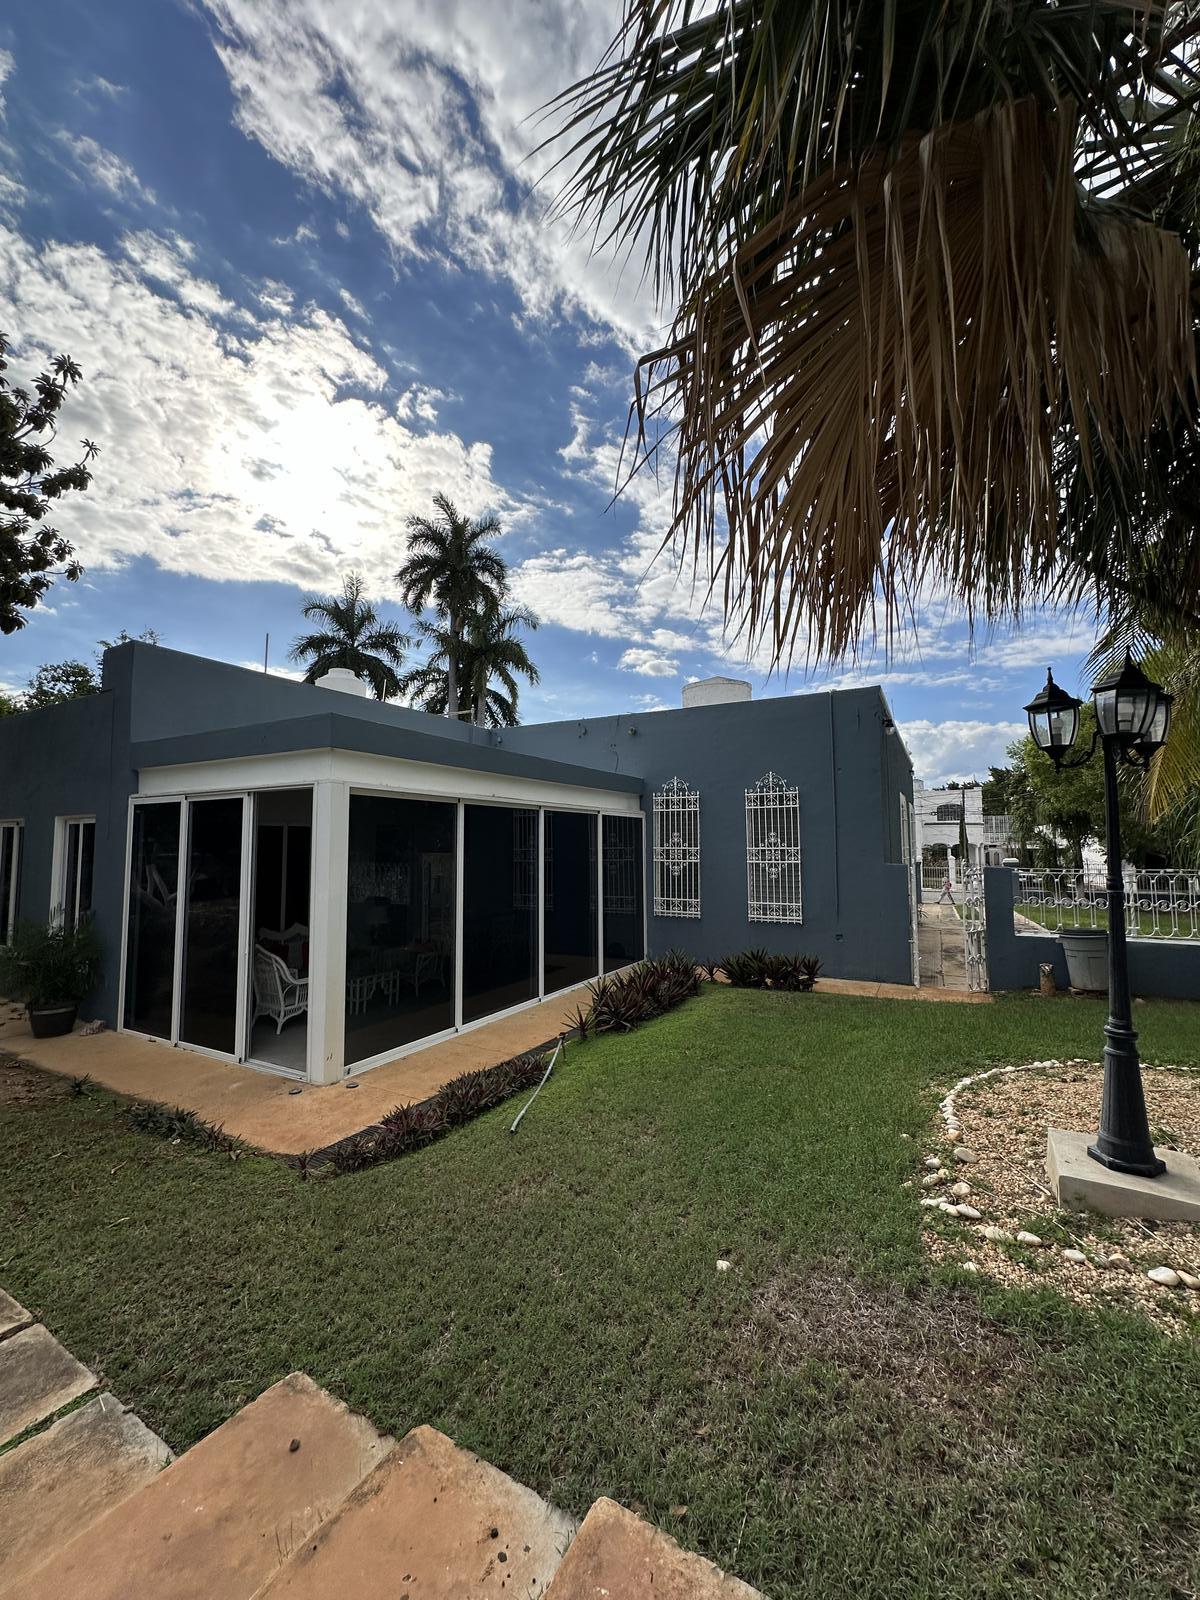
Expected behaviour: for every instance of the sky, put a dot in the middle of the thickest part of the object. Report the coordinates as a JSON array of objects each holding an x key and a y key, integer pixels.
[{"x": 301, "y": 250}]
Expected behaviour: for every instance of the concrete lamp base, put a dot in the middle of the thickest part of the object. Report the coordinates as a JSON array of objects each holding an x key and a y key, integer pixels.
[{"x": 1081, "y": 1184}]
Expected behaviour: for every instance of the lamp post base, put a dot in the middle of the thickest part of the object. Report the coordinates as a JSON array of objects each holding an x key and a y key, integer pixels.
[
  {"x": 1081, "y": 1184},
  {"x": 1138, "y": 1166}
]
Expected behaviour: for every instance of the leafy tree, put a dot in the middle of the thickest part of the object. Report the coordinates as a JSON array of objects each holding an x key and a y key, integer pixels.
[
  {"x": 491, "y": 658},
  {"x": 932, "y": 269},
  {"x": 454, "y": 567},
  {"x": 8, "y": 706},
  {"x": 32, "y": 553},
  {"x": 352, "y": 636},
  {"x": 57, "y": 681}
]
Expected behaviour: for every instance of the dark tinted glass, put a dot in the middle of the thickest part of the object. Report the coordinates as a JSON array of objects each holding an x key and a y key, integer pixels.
[
  {"x": 499, "y": 909},
  {"x": 623, "y": 880},
  {"x": 399, "y": 923},
  {"x": 153, "y": 885},
  {"x": 570, "y": 899},
  {"x": 210, "y": 952}
]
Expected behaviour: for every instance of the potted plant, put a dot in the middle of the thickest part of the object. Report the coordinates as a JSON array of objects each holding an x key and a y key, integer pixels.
[{"x": 51, "y": 969}]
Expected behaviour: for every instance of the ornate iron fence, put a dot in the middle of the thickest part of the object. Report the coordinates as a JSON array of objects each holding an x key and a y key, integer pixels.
[{"x": 1160, "y": 903}]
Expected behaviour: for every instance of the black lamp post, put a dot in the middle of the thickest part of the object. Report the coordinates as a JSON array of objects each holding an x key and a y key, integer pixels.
[{"x": 1133, "y": 717}]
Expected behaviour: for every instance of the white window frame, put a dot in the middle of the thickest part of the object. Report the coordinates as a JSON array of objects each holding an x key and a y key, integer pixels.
[
  {"x": 16, "y": 827},
  {"x": 61, "y": 892},
  {"x": 774, "y": 880},
  {"x": 676, "y": 850}
]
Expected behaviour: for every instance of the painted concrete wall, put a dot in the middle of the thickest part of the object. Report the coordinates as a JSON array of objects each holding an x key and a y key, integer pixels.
[
  {"x": 161, "y": 705},
  {"x": 850, "y": 771},
  {"x": 1158, "y": 968},
  {"x": 64, "y": 760}
]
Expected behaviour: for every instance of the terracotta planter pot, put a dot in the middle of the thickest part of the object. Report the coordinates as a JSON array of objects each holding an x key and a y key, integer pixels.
[{"x": 48, "y": 1022}]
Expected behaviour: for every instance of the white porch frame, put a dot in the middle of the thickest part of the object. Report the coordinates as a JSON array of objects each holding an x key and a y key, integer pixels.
[
  {"x": 332, "y": 775},
  {"x": 59, "y": 887},
  {"x": 16, "y": 827}
]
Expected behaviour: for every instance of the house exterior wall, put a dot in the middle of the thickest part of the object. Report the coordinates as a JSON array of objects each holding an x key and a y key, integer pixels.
[
  {"x": 850, "y": 769},
  {"x": 159, "y": 708}
]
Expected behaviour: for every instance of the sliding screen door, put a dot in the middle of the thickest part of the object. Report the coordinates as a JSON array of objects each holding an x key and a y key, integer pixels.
[
  {"x": 571, "y": 934},
  {"x": 208, "y": 1010},
  {"x": 623, "y": 879},
  {"x": 500, "y": 946},
  {"x": 153, "y": 891},
  {"x": 399, "y": 923}
]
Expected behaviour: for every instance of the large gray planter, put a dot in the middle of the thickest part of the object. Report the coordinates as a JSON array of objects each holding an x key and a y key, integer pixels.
[{"x": 1086, "y": 950}]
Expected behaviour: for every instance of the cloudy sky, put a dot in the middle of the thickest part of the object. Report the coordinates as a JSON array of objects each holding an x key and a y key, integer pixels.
[{"x": 299, "y": 249}]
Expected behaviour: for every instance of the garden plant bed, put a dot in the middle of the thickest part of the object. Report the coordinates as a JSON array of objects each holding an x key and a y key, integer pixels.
[{"x": 1002, "y": 1119}]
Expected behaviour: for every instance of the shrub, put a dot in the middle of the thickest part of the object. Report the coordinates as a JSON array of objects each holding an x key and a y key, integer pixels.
[
  {"x": 50, "y": 965},
  {"x": 619, "y": 1003},
  {"x": 756, "y": 969}
]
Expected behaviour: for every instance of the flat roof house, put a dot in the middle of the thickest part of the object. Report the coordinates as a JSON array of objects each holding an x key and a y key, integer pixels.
[{"x": 310, "y": 882}]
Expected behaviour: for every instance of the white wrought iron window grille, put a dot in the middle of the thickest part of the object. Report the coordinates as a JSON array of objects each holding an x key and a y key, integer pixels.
[
  {"x": 773, "y": 851},
  {"x": 677, "y": 850}
]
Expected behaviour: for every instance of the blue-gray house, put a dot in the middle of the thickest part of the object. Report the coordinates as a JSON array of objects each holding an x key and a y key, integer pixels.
[{"x": 304, "y": 880}]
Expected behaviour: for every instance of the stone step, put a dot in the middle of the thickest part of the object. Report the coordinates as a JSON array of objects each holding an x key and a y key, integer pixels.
[
  {"x": 58, "y": 1482},
  {"x": 435, "y": 1522},
  {"x": 222, "y": 1519},
  {"x": 617, "y": 1555},
  {"x": 12, "y": 1315},
  {"x": 37, "y": 1378}
]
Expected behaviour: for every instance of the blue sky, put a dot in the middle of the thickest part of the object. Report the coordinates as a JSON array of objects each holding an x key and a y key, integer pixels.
[{"x": 293, "y": 245}]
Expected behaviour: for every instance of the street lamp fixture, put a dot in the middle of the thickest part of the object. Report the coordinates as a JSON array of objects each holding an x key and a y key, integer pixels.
[{"x": 1133, "y": 718}]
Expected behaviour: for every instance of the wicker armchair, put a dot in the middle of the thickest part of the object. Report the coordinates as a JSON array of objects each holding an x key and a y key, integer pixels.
[{"x": 278, "y": 992}]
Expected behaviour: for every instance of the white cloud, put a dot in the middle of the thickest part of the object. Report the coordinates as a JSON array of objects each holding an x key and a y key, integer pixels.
[
  {"x": 420, "y": 400},
  {"x": 105, "y": 168},
  {"x": 165, "y": 261},
  {"x": 942, "y": 751},
  {"x": 427, "y": 126},
  {"x": 7, "y": 64},
  {"x": 263, "y": 449},
  {"x": 649, "y": 663},
  {"x": 353, "y": 305}
]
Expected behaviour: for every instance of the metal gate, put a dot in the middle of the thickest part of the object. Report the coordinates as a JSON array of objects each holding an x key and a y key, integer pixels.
[{"x": 974, "y": 920}]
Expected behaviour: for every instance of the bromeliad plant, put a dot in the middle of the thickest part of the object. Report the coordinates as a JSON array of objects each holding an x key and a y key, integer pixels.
[
  {"x": 758, "y": 969},
  {"x": 620, "y": 1003}
]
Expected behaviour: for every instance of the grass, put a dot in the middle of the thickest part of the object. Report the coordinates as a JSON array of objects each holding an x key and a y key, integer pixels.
[{"x": 837, "y": 1418}]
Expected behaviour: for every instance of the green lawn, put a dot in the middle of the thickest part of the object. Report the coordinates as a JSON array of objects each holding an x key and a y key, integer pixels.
[{"x": 838, "y": 1419}]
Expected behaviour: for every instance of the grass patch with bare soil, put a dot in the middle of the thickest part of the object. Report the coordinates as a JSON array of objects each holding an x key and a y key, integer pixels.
[{"x": 834, "y": 1415}]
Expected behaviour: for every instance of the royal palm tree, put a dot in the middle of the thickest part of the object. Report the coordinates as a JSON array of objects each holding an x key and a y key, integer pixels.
[
  {"x": 925, "y": 263},
  {"x": 454, "y": 567},
  {"x": 490, "y": 656},
  {"x": 352, "y": 636}
]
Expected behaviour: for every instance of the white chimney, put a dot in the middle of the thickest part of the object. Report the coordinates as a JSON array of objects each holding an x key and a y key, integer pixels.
[
  {"x": 344, "y": 681},
  {"x": 715, "y": 691}
]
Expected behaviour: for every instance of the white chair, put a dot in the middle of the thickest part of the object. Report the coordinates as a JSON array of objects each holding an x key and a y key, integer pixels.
[{"x": 278, "y": 992}]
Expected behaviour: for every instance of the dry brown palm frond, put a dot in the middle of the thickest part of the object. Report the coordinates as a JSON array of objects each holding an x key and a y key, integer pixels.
[{"x": 872, "y": 396}]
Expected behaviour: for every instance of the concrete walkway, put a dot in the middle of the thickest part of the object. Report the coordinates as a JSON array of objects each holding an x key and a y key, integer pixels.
[
  {"x": 942, "y": 947},
  {"x": 264, "y": 1109}
]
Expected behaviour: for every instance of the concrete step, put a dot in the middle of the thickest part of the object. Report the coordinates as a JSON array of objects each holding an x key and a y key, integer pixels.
[
  {"x": 58, "y": 1482},
  {"x": 435, "y": 1522},
  {"x": 222, "y": 1520},
  {"x": 12, "y": 1315},
  {"x": 616, "y": 1554},
  {"x": 37, "y": 1378}
]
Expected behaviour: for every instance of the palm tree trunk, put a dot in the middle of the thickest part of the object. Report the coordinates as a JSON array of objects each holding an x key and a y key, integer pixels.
[{"x": 452, "y": 672}]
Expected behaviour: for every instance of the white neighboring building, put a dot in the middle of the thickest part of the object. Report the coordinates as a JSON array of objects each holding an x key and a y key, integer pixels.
[{"x": 939, "y": 817}]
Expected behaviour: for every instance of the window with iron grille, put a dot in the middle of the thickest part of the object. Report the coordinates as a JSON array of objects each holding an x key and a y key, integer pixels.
[
  {"x": 773, "y": 851},
  {"x": 677, "y": 850}
]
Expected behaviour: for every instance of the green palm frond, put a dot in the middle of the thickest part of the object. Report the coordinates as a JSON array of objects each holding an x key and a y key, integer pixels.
[{"x": 353, "y": 637}]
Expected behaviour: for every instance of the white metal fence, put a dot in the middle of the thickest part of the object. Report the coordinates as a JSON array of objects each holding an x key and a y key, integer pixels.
[{"x": 1163, "y": 903}]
